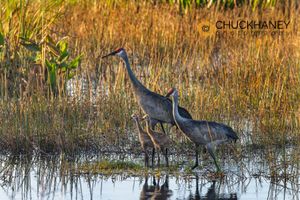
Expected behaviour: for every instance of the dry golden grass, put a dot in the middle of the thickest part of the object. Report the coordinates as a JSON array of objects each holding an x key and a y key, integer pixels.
[{"x": 249, "y": 83}]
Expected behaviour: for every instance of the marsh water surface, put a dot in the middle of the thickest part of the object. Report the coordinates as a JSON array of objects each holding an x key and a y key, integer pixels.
[{"x": 60, "y": 178}]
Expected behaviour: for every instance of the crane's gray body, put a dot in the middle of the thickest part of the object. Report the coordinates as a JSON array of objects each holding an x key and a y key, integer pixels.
[
  {"x": 206, "y": 132},
  {"x": 156, "y": 106}
]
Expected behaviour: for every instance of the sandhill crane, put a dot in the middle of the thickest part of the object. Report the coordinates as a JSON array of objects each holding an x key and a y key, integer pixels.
[
  {"x": 158, "y": 107},
  {"x": 160, "y": 140},
  {"x": 145, "y": 140},
  {"x": 209, "y": 134}
]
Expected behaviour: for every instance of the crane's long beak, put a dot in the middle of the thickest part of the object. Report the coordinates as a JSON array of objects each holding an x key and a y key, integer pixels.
[{"x": 110, "y": 54}]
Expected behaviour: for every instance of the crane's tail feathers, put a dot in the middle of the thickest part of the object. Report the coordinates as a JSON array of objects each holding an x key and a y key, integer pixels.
[{"x": 232, "y": 135}]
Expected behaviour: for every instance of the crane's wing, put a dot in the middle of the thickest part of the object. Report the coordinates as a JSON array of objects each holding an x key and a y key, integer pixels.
[{"x": 215, "y": 131}]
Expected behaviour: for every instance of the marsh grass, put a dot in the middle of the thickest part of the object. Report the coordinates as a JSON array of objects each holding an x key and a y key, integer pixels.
[{"x": 249, "y": 83}]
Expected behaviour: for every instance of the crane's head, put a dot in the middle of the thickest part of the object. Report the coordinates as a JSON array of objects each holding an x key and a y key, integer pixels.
[
  {"x": 173, "y": 92},
  {"x": 146, "y": 117},
  {"x": 118, "y": 52},
  {"x": 134, "y": 116}
]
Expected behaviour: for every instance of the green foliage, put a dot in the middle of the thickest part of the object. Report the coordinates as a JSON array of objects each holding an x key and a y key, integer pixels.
[
  {"x": 1, "y": 39},
  {"x": 58, "y": 60}
]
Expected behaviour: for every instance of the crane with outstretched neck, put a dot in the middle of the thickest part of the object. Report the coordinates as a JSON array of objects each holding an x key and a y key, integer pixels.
[
  {"x": 158, "y": 107},
  {"x": 206, "y": 133}
]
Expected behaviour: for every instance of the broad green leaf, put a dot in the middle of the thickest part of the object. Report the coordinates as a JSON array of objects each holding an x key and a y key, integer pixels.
[
  {"x": 1, "y": 39},
  {"x": 62, "y": 45},
  {"x": 63, "y": 56},
  {"x": 52, "y": 73},
  {"x": 75, "y": 62},
  {"x": 63, "y": 65},
  {"x": 70, "y": 75},
  {"x": 48, "y": 64},
  {"x": 38, "y": 57},
  {"x": 63, "y": 69}
]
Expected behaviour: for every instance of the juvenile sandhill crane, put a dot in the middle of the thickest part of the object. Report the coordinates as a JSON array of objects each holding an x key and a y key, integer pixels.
[
  {"x": 145, "y": 140},
  {"x": 160, "y": 140},
  {"x": 158, "y": 107},
  {"x": 208, "y": 134}
]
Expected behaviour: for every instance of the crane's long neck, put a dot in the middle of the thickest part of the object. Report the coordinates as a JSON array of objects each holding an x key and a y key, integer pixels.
[
  {"x": 177, "y": 117},
  {"x": 138, "y": 125},
  {"x": 135, "y": 82},
  {"x": 148, "y": 128}
]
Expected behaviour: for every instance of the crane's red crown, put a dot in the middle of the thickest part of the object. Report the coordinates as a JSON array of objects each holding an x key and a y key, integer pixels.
[
  {"x": 171, "y": 90},
  {"x": 118, "y": 50},
  {"x": 114, "y": 52}
]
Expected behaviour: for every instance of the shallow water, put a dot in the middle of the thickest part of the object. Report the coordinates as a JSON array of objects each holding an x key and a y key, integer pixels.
[{"x": 54, "y": 178}]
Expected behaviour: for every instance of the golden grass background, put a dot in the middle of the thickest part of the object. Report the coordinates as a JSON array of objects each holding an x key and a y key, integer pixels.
[{"x": 249, "y": 83}]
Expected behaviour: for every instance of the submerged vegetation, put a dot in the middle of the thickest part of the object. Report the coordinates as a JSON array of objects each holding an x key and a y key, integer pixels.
[{"x": 57, "y": 95}]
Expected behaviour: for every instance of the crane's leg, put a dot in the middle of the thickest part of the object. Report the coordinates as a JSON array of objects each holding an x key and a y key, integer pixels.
[
  {"x": 162, "y": 127},
  {"x": 196, "y": 161},
  {"x": 212, "y": 154},
  {"x": 153, "y": 123},
  {"x": 146, "y": 159},
  {"x": 153, "y": 156},
  {"x": 146, "y": 179},
  {"x": 197, "y": 193},
  {"x": 158, "y": 159},
  {"x": 166, "y": 157},
  {"x": 154, "y": 181},
  {"x": 167, "y": 181}
]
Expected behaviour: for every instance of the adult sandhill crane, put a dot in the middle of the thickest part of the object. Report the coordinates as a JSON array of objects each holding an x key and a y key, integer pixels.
[
  {"x": 209, "y": 134},
  {"x": 160, "y": 140},
  {"x": 145, "y": 140},
  {"x": 158, "y": 107}
]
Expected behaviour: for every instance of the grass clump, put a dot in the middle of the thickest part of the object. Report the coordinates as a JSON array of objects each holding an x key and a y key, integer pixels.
[{"x": 109, "y": 167}]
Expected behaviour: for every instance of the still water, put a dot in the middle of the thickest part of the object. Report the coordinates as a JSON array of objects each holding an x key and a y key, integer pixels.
[{"x": 55, "y": 178}]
